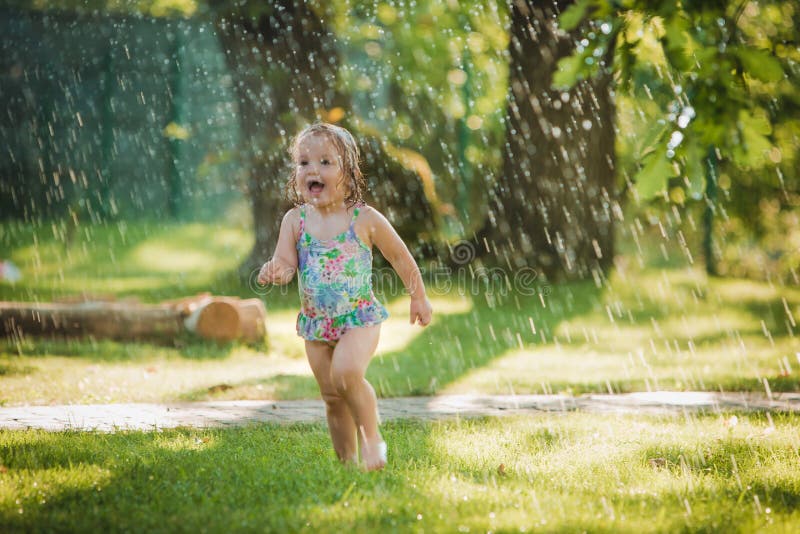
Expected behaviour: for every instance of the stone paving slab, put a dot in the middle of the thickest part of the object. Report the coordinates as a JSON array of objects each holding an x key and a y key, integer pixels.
[{"x": 111, "y": 417}]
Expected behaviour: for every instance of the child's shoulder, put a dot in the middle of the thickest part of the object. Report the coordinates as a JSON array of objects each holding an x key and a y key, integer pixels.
[
  {"x": 293, "y": 213},
  {"x": 367, "y": 212},
  {"x": 292, "y": 217},
  {"x": 366, "y": 215},
  {"x": 371, "y": 218}
]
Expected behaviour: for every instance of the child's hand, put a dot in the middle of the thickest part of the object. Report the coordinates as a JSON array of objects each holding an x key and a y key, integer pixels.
[
  {"x": 263, "y": 274},
  {"x": 273, "y": 272},
  {"x": 421, "y": 311}
]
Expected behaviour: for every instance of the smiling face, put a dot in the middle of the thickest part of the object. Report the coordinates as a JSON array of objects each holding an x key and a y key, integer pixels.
[{"x": 319, "y": 172}]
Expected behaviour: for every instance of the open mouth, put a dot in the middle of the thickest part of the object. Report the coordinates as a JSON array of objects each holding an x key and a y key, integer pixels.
[{"x": 315, "y": 186}]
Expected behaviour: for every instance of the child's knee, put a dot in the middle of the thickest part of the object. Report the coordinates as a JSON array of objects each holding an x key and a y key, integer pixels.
[
  {"x": 333, "y": 400},
  {"x": 344, "y": 377}
]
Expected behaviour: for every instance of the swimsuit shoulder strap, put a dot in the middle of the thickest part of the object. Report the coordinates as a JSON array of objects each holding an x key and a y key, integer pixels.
[
  {"x": 356, "y": 211},
  {"x": 302, "y": 223}
]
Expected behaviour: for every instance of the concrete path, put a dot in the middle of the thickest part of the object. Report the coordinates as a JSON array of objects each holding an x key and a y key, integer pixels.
[{"x": 110, "y": 417}]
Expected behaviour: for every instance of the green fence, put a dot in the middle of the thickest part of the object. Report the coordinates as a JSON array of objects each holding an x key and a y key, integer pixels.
[{"x": 114, "y": 117}]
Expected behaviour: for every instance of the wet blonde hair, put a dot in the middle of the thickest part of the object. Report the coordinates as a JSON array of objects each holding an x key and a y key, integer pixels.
[{"x": 349, "y": 156}]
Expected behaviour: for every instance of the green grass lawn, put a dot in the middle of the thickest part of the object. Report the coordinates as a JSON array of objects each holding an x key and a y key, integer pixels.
[
  {"x": 554, "y": 473},
  {"x": 150, "y": 261},
  {"x": 648, "y": 327},
  {"x": 651, "y": 325}
]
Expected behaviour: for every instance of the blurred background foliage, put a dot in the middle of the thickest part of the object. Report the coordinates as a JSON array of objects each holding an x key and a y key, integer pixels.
[
  {"x": 707, "y": 110},
  {"x": 709, "y": 113},
  {"x": 433, "y": 77}
]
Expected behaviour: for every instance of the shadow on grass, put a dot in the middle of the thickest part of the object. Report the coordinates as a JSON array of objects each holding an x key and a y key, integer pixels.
[
  {"x": 255, "y": 478},
  {"x": 11, "y": 369},
  {"x": 456, "y": 344},
  {"x": 771, "y": 311},
  {"x": 281, "y": 387},
  {"x": 452, "y": 345},
  {"x": 113, "y": 351},
  {"x": 777, "y": 384},
  {"x": 285, "y": 478}
]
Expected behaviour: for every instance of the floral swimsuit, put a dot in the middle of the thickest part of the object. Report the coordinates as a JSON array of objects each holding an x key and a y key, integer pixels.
[{"x": 335, "y": 284}]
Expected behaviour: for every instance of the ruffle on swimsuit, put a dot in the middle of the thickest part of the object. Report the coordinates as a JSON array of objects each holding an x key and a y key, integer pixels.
[{"x": 335, "y": 284}]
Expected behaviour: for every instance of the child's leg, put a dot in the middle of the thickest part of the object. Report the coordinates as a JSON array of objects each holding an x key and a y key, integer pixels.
[
  {"x": 351, "y": 357},
  {"x": 340, "y": 422}
]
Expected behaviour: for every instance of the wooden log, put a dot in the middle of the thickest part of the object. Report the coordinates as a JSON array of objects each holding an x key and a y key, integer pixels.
[
  {"x": 216, "y": 319},
  {"x": 253, "y": 317},
  {"x": 187, "y": 305},
  {"x": 220, "y": 319},
  {"x": 103, "y": 320}
]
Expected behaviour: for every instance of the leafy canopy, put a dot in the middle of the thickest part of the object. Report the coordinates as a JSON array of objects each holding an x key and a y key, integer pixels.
[{"x": 725, "y": 75}]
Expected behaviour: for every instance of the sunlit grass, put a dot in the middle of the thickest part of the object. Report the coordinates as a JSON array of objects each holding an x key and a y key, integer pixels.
[
  {"x": 79, "y": 371},
  {"x": 653, "y": 325},
  {"x": 141, "y": 373},
  {"x": 196, "y": 248},
  {"x": 565, "y": 473},
  {"x": 654, "y": 330},
  {"x": 648, "y": 327},
  {"x": 147, "y": 260}
]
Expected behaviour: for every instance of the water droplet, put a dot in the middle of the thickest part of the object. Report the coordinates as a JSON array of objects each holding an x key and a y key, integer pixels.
[{"x": 675, "y": 140}]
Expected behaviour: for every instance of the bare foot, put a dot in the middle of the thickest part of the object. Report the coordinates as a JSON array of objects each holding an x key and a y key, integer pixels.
[
  {"x": 374, "y": 456},
  {"x": 350, "y": 462}
]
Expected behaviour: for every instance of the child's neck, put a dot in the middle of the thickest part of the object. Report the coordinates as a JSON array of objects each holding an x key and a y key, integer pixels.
[{"x": 331, "y": 209}]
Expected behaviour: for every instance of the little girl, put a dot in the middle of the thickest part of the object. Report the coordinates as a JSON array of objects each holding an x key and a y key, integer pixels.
[{"x": 327, "y": 237}]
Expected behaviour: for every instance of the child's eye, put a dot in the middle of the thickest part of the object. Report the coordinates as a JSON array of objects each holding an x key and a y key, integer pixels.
[
  {"x": 325, "y": 162},
  {"x": 302, "y": 163}
]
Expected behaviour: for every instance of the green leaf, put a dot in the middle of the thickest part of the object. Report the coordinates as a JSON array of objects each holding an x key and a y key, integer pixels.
[
  {"x": 570, "y": 70},
  {"x": 674, "y": 42},
  {"x": 695, "y": 170},
  {"x": 756, "y": 122},
  {"x": 760, "y": 64},
  {"x": 626, "y": 52},
  {"x": 754, "y": 129},
  {"x": 574, "y": 14},
  {"x": 653, "y": 177},
  {"x": 652, "y": 138}
]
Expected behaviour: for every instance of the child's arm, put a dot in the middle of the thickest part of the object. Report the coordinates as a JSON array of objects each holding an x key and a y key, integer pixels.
[
  {"x": 281, "y": 268},
  {"x": 384, "y": 236}
]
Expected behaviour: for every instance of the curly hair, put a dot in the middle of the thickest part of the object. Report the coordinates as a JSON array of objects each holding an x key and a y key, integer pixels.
[{"x": 349, "y": 157}]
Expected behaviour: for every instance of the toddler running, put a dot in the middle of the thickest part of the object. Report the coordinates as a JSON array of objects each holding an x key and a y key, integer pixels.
[{"x": 327, "y": 239}]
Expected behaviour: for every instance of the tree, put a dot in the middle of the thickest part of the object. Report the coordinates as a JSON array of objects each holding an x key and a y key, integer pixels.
[
  {"x": 281, "y": 58},
  {"x": 729, "y": 70},
  {"x": 284, "y": 61},
  {"x": 553, "y": 204}
]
